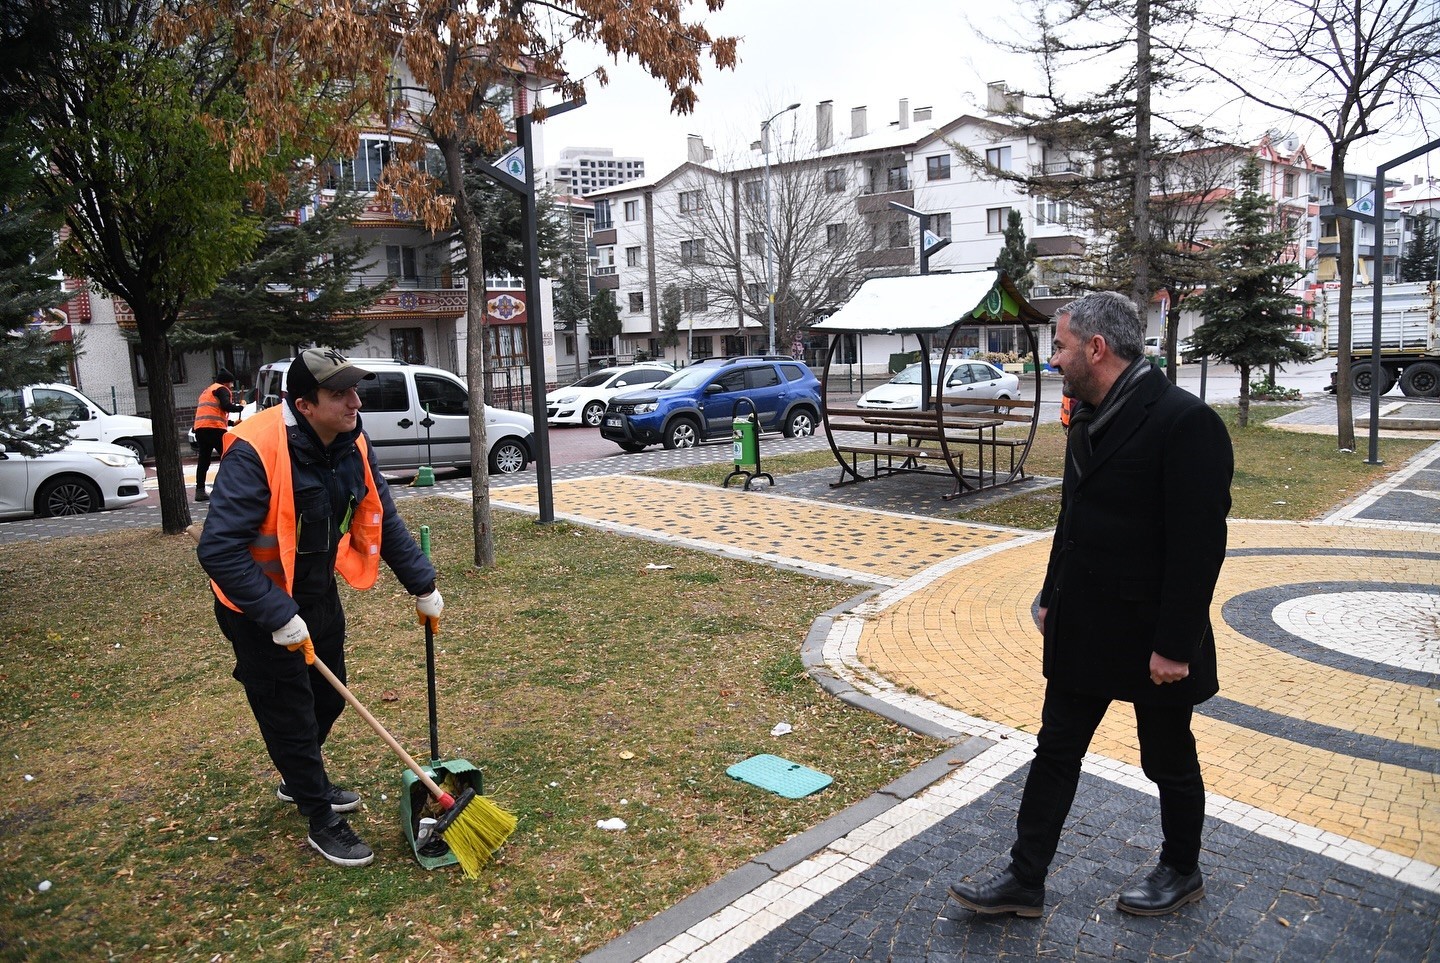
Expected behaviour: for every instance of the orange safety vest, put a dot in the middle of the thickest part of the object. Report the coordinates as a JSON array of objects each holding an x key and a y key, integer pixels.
[
  {"x": 208, "y": 411},
  {"x": 357, "y": 558}
]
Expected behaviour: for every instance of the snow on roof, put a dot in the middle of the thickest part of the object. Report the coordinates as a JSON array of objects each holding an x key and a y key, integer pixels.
[{"x": 931, "y": 302}]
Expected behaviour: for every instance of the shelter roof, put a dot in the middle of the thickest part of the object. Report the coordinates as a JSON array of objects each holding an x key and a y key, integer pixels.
[{"x": 933, "y": 302}]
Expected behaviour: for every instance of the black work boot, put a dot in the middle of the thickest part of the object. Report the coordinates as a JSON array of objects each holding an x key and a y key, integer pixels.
[
  {"x": 1163, "y": 891},
  {"x": 200, "y": 495},
  {"x": 1003, "y": 894}
]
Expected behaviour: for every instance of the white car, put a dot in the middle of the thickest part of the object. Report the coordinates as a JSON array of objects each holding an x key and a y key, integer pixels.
[
  {"x": 89, "y": 422},
  {"x": 966, "y": 379},
  {"x": 583, "y": 403},
  {"x": 84, "y": 476}
]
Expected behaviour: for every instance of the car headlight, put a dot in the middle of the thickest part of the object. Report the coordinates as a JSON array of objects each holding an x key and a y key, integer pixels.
[
  {"x": 646, "y": 407},
  {"x": 564, "y": 399},
  {"x": 115, "y": 461}
]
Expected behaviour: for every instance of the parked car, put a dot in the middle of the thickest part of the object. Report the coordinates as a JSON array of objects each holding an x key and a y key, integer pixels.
[
  {"x": 393, "y": 413},
  {"x": 963, "y": 379},
  {"x": 84, "y": 476},
  {"x": 583, "y": 403},
  {"x": 90, "y": 422},
  {"x": 1183, "y": 352},
  {"x": 699, "y": 402}
]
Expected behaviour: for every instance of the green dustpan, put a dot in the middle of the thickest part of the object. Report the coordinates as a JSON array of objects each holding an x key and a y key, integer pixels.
[{"x": 432, "y": 853}]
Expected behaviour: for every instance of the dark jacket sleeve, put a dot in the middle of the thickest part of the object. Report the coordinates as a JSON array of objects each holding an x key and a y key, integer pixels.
[
  {"x": 227, "y": 402},
  {"x": 239, "y": 501},
  {"x": 397, "y": 546},
  {"x": 1197, "y": 466}
]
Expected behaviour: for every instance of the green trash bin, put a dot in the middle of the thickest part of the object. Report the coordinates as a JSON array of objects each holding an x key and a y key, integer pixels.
[{"x": 746, "y": 439}]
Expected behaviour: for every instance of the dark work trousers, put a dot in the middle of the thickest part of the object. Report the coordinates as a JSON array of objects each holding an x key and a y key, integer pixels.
[
  {"x": 294, "y": 706},
  {"x": 1167, "y": 754},
  {"x": 208, "y": 441}
]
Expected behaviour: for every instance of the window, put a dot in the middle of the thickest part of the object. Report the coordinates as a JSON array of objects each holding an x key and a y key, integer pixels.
[
  {"x": 835, "y": 234},
  {"x": 177, "y": 367},
  {"x": 605, "y": 259},
  {"x": 940, "y": 225},
  {"x": 755, "y": 293},
  {"x": 602, "y": 216},
  {"x": 900, "y": 232},
  {"x": 754, "y": 192},
  {"x": 732, "y": 380},
  {"x": 407, "y": 345},
  {"x": 897, "y": 179},
  {"x": 838, "y": 290},
  {"x": 937, "y": 168},
  {"x": 692, "y": 252},
  {"x": 385, "y": 392},
  {"x": 734, "y": 345},
  {"x": 1050, "y": 211},
  {"x": 507, "y": 345},
  {"x": 995, "y": 218},
  {"x": 691, "y": 201},
  {"x": 443, "y": 396},
  {"x": 694, "y": 299},
  {"x": 755, "y": 243},
  {"x": 702, "y": 346},
  {"x": 637, "y": 302},
  {"x": 632, "y": 257},
  {"x": 632, "y": 210},
  {"x": 400, "y": 262},
  {"x": 835, "y": 179},
  {"x": 998, "y": 157},
  {"x": 1292, "y": 184},
  {"x": 764, "y": 376}
]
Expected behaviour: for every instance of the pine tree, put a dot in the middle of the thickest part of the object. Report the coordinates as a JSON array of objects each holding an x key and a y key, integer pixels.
[
  {"x": 671, "y": 309},
  {"x": 1017, "y": 256},
  {"x": 1420, "y": 259},
  {"x": 1250, "y": 312},
  {"x": 605, "y": 317}
]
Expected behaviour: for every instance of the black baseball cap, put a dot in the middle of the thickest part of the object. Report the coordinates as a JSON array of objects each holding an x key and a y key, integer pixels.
[{"x": 322, "y": 368}]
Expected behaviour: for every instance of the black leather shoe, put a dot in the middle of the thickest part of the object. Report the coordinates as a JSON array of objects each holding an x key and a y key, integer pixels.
[
  {"x": 1163, "y": 891},
  {"x": 1003, "y": 894}
]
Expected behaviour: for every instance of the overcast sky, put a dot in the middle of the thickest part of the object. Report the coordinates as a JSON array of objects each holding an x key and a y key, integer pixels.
[{"x": 855, "y": 53}]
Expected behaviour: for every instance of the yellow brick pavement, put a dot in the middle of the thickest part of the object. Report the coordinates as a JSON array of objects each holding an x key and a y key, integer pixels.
[{"x": 965, "y": 638}]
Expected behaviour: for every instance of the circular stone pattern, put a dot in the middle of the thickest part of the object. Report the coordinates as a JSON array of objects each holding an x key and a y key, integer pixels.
[{"x": 1395, "y": 628}]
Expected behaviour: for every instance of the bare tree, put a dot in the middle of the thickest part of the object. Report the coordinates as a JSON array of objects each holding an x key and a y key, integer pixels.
[
  {"x": 715, "y": 240},
  {"x": 1351, "y": 69}
]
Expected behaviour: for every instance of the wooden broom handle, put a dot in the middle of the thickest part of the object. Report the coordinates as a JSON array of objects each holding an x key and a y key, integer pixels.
[{"x": 380, "y": 730}]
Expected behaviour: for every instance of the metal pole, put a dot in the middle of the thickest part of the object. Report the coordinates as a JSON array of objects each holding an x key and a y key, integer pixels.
[
  {"x": 535, "y": 341},
  {"x": 769, "y": 227}
]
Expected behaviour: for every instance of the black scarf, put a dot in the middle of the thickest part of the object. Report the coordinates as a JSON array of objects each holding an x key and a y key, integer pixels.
[{"x": 1088, "y": 422}]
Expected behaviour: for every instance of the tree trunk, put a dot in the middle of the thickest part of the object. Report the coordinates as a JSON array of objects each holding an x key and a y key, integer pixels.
[
  {"x": 1242, "y": 416},
  {"x": 1345, "y": 414},
  {"x": 1140, "y": 290},
  {"x": 155, "y": 352}
]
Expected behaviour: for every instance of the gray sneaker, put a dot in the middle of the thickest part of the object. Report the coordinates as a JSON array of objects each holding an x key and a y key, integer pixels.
[
  {"x": 341, "y": 800},
  {"x": 338, "y": 843}
]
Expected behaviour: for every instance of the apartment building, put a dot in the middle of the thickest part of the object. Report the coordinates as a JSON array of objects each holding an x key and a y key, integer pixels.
[{"x": 583, "y": 170}]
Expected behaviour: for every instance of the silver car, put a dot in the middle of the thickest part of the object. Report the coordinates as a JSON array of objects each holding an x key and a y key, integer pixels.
[
  {"x": 964, "y": 380},
  {"x": 84, "y": 476}
]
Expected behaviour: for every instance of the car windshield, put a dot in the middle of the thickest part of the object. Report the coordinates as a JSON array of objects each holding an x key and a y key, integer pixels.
[
  {"x": 692, "y": 377},
  {"x": 911, "y": 376},
  {"x": 594, "y": 380}
]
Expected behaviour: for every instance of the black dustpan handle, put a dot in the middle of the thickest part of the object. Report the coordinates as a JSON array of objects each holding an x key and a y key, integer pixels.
[{"x": 430, "y": 662}]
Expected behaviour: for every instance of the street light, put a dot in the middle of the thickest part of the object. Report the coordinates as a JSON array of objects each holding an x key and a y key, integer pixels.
[{"x": 769, "y": 228}]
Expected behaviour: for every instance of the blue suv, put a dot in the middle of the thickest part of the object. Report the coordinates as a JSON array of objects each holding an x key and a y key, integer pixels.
[{"x": 698, "y": 402}]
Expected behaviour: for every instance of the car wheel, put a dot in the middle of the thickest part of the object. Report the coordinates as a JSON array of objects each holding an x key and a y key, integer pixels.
[
  {"x": 133, "y": 447},
  {"x": 508, "y": 457},
  {"x": 631, "y": 446},
  {"x": 801, "y": 423},
  {"x": 593, "y": 414},
  {"x": 1421, "y": 380},
  {"x": 70, "y": 495},
  {"x": 682, "y": 433},
  {"x": 1002, "y": 409}
]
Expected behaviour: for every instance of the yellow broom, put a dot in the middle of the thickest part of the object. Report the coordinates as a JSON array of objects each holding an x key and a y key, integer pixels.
[{"x": 472, "y": 826}]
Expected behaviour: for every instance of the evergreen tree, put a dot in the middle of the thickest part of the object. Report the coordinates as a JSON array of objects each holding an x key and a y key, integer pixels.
[
  {"x": 670, "y": 312},
  {"x": 605, "y": 318},
  {"x": 1017, "y": 256},
  {"x": 1250, "y": 312},
  {"x": 1419, "y": 262}
]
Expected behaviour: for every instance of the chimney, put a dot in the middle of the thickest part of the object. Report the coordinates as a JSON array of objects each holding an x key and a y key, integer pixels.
[
  {"x": 922, "y": 113},
  {"x": 857, "y": 122},
  {"x": 695, "y": 150},
  {"x": 824, "y": 124},
  {"x": 904, "y": 113},
  {"x": 999, "y": 99}
]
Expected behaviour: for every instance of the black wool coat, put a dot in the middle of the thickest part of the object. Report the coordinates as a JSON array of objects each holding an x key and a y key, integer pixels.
[{"x": 1137, "y": 551}]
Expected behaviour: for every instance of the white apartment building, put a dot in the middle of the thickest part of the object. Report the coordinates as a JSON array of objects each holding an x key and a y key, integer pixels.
[{"x": 584, "y": 170}]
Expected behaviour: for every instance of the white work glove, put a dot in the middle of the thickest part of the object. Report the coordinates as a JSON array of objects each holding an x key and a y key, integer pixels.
[
  {"x": 428, "y": 608},
  {"x": 295, "y": 636}
]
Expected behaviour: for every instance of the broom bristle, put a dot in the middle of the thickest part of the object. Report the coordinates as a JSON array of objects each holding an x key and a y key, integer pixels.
[{"x": 477, "y": 831}]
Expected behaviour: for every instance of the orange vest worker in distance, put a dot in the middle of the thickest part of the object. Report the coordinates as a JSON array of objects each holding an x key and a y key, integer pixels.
[{"x": 212, "y": 417}]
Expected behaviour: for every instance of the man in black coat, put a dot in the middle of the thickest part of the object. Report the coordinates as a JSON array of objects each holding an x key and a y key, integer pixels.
[{"x": 1126, "y": 601}]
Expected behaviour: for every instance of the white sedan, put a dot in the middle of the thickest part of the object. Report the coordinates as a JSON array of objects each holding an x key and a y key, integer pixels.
[
  {"x": 964, "y": 380},
  {"x": 583, "y": 403},
  {"x": 84, "y": 476}
]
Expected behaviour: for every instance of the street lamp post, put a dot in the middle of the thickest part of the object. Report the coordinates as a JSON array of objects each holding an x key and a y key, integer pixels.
[{"x": 769, "y": 228}]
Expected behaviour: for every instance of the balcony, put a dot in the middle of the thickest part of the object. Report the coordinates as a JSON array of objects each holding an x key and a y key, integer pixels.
[
  {"x": 872, "y": 202},
  {"x": 605, "y": 236},
  {"x": 886, "y": 258},
  {"x": 606, "y": 282},
  {"x": 417, "y": 296}
]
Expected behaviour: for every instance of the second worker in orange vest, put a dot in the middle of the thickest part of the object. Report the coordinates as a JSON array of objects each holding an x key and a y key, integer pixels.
[
  {"x": 212, "y": 417},
  {"x": 297, "y": 500}
]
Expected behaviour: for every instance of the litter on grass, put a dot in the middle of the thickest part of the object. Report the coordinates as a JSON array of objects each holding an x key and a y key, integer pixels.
[
  {"x": 615, "y": 824},
  {"x": 655, "y": 568},
  {"x": 781, "y": 729}
]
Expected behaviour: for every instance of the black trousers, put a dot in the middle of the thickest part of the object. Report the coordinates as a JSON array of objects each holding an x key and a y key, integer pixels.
[
  {"x": 1167, "y": 754},
  {"x": 293, "y": 704},
  {"x": 210, "y": 442}
]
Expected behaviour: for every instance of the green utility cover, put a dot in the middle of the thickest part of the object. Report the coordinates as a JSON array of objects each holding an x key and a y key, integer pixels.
[
  {"x": 780, "y": 776},
  {"x": 412, "y": 799}
]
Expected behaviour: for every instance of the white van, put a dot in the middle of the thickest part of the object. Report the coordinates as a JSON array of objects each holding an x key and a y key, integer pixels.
[
  {"x": 393, "y": 413},
  {"x": 90, "y": 422}
]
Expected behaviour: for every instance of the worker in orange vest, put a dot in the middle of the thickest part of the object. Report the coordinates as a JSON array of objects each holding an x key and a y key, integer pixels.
[{"x": 212, "y": 418}]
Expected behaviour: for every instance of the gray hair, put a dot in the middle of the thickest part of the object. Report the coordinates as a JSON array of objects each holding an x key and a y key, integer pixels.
[{"x": 1113, "y": 317}]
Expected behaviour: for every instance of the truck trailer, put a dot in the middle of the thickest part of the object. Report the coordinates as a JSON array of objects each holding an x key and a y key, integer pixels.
[{"x": 1409, "y": 345}]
